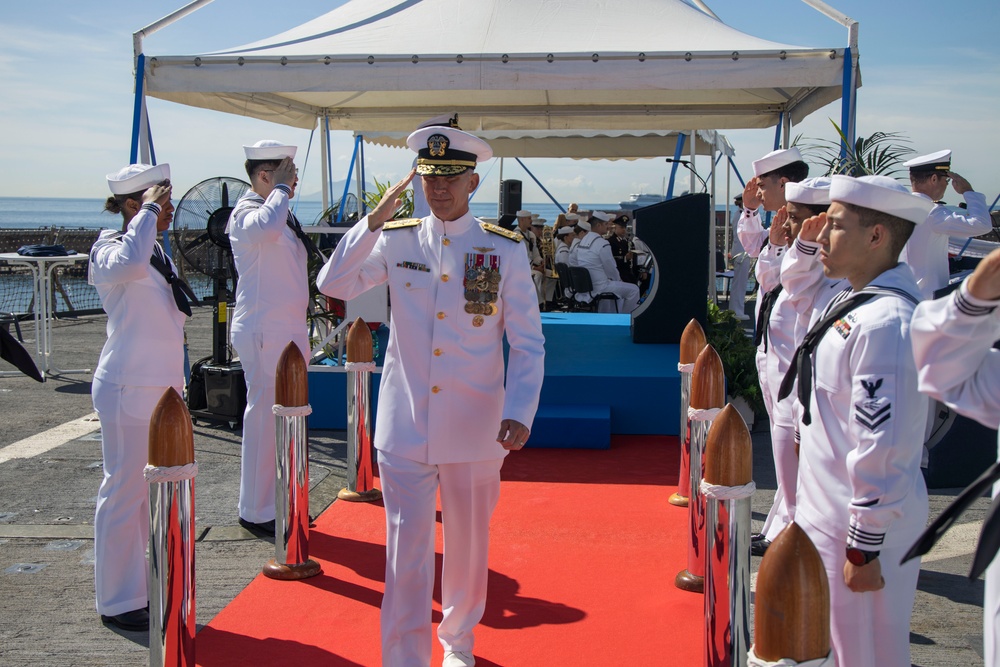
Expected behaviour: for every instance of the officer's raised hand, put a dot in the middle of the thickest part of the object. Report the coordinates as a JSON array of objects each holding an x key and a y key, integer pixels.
[
  {"x": 960, "y": 184},
  {"x": 389, "y": 203}
]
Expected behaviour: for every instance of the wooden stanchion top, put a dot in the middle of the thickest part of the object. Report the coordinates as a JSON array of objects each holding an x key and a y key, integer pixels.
[
  {"x": 728, "y": 450},
  {"x": 792, "y": 610},
  {"x": 708, "y": 381},
  {"x": 692, "y": 342},
  {"x": 171, "y": 438},
  {"x": 291, "y": 387},
  {"x": 359, "y": 342}
]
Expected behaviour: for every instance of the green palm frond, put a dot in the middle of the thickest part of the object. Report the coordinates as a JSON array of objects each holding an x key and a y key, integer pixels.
[{"x": 881, "y": 153}]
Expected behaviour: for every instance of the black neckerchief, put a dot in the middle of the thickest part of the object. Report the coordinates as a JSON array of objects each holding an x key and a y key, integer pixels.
[{"x": 764, "y": 316}]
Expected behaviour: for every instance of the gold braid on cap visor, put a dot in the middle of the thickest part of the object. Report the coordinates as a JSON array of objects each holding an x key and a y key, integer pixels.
[{"x": 427, "y": 167}]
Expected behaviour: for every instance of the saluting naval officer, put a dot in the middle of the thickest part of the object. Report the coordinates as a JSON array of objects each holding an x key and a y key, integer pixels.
[
  {"x": 861, "y": 497},
  {"x": 272, "y": 297},
  {"x": 927, "y": 250},
  {"x": 446, "y": 416},
  {"x": 144, "y": 356}
]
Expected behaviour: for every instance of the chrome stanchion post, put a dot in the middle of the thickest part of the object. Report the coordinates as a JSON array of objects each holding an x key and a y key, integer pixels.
[
  {"x": 727, "y": 487},
  {"x": 708, "y": 396},
  {"x": 692, "y": 343},
  {"x": 792, "y": 605},
  {"x": 291, "y": 519},
  {"x": 170, "y": 474},
  {"x": 360, "y": 364}
]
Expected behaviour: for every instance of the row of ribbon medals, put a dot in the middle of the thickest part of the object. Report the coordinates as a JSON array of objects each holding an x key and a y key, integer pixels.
[{"x": 482, "y": 284}]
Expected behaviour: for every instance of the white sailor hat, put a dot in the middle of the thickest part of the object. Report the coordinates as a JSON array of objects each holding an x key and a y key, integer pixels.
[
  {"x": 137, "y": 178},
  {"x": 939, "y": 161},
  {"x": 564, "y": 230},
  {"x": 538, "y": 222},
  {"x": 602, "y": 216},
  {"x": 572, "y": 216},
  {"x": 776, "y": 160},
  {"x": 881, "y": 193},
  {"x": 269, "y": 149},
  {"x": 446, "y": 151},
  {"x": 583, "y": 224},
  {"x": 523, "y": 214},
  {"x": 812, "y": 192},
  {"x": 583, "y": 218}
]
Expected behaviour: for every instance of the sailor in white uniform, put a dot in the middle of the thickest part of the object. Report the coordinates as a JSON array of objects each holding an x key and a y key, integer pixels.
[
  {"x": 562, "y": 244},
  {"x": 927, "y": 250},
  {"x": 741, "y": 268},
  {"x": 144, "y": 356},
  {"x": 582, "y": 228},
  {"x": 594, "y": 254},
  {"x": 861, "y": 497},
  {"x": 524, "y": 222},
  {"x": 952, "y": 343},
  {"x": 776, "y": 343},
  {"x": 272, "y": 297},
  {"x": 446, "y": 415},
  {"x": 767, "y": 188}
]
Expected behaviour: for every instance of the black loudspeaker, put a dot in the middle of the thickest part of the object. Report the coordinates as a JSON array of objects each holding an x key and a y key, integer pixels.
[
  {"x": 676, "y": 232},
  {"x": 510, "y": 197}
]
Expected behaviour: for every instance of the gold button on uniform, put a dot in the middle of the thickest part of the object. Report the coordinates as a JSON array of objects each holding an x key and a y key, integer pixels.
[
  {"x": 446, "y": 241},
  {"x": 407, "y": 284},
  {"x": 440, "y": 315},
  {"x": 435, "y": 389},
  {"x": 437, "y": 352},
  {"x": 444, "y": 277}
]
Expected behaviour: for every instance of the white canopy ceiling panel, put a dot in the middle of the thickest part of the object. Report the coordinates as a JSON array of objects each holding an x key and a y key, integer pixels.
[{"x": 506, "y": 65}]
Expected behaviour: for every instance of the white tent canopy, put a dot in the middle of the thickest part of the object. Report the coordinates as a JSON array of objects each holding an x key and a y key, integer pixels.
[
  {"x": 582, "y": 144},
  {"x": 509, "y": 65}
]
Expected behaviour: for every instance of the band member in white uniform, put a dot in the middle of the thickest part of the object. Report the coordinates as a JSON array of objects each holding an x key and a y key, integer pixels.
[
  {"x": 594, "y": 254},
  {"x": 445, "y": 420},
  {"x": 581, "y": 229},
  {"x": 953, "y": 339},
  {"x": 534, "y": 252},
  {"x": 861, "y": 497},
  {"x": 562, "y": 244},
  {"x": 927, "y": 250},
  {"x": 776, "y": 346},
  {"x": 272, "y": 297},
  {"x": 144, "y": 356}
]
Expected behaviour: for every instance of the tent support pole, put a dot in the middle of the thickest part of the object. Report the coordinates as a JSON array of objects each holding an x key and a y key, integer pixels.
[
  {"x": 138, "y": 108},
  {"x": 347, "y": 182},
  {"x": 326, "y": 180},
  {"x": 712, "y": 246},
  {"x": 362, "y": 201},
  {"x": 691, "y": 177},
  {"x": 539, "y": 184},
  {"x": 786, "y": 129},
  {"x": 678, "y": 151}
]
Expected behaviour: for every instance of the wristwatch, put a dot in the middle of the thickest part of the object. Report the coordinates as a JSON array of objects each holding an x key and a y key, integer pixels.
[{"x": 859, "y": 557}]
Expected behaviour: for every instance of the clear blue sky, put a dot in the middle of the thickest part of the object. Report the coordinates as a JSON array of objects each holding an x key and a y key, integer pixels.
[{"x": 930, "y": 70}]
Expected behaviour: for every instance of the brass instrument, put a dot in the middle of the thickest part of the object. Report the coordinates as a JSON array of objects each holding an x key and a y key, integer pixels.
[{"x": 547, "y": 246}]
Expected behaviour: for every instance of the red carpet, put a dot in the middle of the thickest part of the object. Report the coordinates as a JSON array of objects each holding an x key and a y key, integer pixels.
[{"x": 582, "y": 560}]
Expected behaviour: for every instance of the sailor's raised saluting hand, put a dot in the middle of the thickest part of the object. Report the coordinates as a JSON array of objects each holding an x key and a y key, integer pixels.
[
  {"x": 389, "y": 203},
  {"x": 984, "y": 283},
  {"x": 159, "y": 193},
  {"x": 751, "y": 199},
  {"x": 811, "y": 227},
  {"x": 777, "y": 235}
]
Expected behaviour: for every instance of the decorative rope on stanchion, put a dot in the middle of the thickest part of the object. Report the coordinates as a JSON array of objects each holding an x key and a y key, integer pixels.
[
  {"x": 692, "y": 343},
  {"x": 360, "y": 480},
  {"x": 727, "y": 488},
  {"x": 708, "y": 396},
  {"x": 792, "y": 605},
  {"x": 170, "y": 473},
  {"x": 291, "y": 503}
]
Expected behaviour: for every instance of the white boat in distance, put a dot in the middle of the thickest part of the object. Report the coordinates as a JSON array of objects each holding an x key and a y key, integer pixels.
[{"x": 635, "y": 201}]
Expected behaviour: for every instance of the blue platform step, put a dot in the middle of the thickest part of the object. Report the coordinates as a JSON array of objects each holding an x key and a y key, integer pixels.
[{"x": 572, "y": 426}]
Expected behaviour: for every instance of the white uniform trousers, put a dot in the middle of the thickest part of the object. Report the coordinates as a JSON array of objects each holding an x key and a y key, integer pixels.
[
  {"x": 991, "y": 606},
  {"x": 869, "y": 629},
  {"x": 121, "y": 522},
  {"x": 786, "y": 470},
  {"x": 627, "y": 293},
  {"x": 539, "y": 278},
  {"x": 259, "y": 354},
  {"x": 738, "y": 286},
  {"x": 469, "y": 493}
]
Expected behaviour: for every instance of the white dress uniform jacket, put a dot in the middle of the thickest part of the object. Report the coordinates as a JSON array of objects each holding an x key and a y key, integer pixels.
[
  {"x": 273, "y": 289},
  {"x": 143, "y": 357},
  {"x": 574, "y": 252},
  {"x": 594, "y": 254},
  {"x": 442, "y": 394},
  {"x": 562, "y": 253},
  {"x": 952, "y": 341},
  {"x": 927, "y": 249},
  {"x": 859, "y": 465}
]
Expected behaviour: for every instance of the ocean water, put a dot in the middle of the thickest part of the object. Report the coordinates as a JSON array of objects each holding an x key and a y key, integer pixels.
[{"x": 40, "y": 213}]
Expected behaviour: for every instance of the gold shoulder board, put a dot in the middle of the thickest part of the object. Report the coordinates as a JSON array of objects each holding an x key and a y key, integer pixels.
[
  {"x": 401, "y": 223},
  {"x": 497, "y": 229}
]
